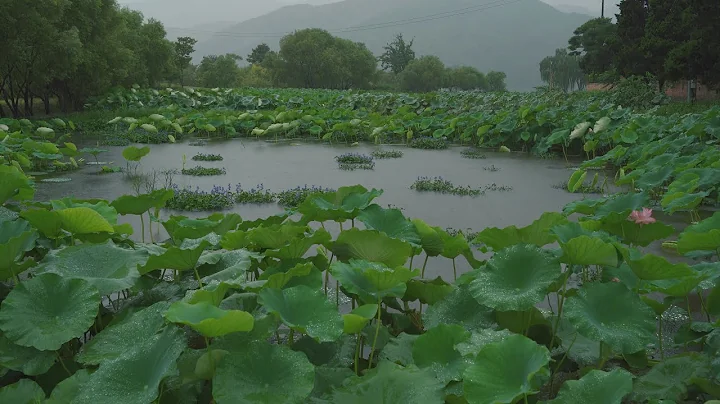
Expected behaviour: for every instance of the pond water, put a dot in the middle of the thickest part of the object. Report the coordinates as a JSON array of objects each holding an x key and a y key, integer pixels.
[{"x": 287, "y": 165}]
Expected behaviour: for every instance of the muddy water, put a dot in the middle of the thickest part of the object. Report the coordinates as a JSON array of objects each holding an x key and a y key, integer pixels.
[{"x": 284, "y": 166}]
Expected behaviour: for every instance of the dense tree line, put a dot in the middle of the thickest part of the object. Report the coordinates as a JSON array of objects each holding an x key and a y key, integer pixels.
[
  {"x": 562, "y": 71},
  {"x": 69, "y": 50},
  {"x": 670, "y": 40},
  {"x": 57, "y": 53}
]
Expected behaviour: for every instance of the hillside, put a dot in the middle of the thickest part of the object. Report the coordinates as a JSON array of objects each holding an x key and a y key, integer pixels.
[{"x": 512, "y": 38}]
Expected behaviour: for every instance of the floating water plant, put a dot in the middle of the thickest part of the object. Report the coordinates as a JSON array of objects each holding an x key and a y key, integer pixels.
[
  {"x": 354, "y": 158},
  {"x": 293, "y": 197},
  {"x": 387, "y": 154},
  {"x": 443, "y": 186},
  {"x": 491, "y": 168},
  {"x": 256, "y": 195},
  {"x": 473, "y": 154},
  {"x": 198, "y": 143},
  {"x": 353, "y": 167},
  {"x": 200, "y": 171},
  {"x": 189, "y": 199},
  {"x": 428, "y": 143},
  {"x": 56, "y": 180},
  {"x": 207, "y": 157}
]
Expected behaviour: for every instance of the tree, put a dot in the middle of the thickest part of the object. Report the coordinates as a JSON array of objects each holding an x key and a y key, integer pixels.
[
  {"x": 398, "y": 55},
  {"x": 184, "y": 48},
  {"x": 465, "y": 78},
  {"x": 594, "y": 42},
  {"x": 258, "y": 54},
  {"x": 562, "y": 71},
  {"x": 630, "y": 59},
  {"x": 496, "y": 81},
  {"x": 219, "y": 71},
  {"x": 422, "y": 75},
  {"x": 313, "y": 58}
]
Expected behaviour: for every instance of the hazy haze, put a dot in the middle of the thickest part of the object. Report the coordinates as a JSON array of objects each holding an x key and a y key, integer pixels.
[{"x": 214, "y": 15}]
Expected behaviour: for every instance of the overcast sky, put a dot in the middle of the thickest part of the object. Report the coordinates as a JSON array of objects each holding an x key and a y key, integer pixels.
[{"x": 187, "y": 13}]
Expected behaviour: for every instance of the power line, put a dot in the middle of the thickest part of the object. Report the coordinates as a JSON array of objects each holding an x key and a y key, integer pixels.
[{"x": 368, "y": 27}]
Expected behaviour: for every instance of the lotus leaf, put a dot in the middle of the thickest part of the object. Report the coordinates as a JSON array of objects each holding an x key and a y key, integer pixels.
[
  {"x": 175, "y": 258},
  {"x": 263, "y": 373},
  {"x": 507, "y": 370},
  {"x": 436, "y": 350},
  {"x": 27, "y": 360},
  {"x": 391, "y": 383},
  {"x": 137, "y": 205},
  {"x": 586, "y": 250},
  {"x": 343, "y": 204},
  {"x": 372, "y": 281},
  {"x": 82, "y": 220},
  {"x": 596, "y": 387},
  {"x": 391, "y": 222},
  {"x": 46, "y": 311},
  {"x": 306, "y": 310},
  {"x": 516, "y": 278},
  {"x": 14, "y": 184},
  {"x": 209, "y": 320},
  {"x": 611, "y": 313},
  {"x": 371, "y": 245},
  {"x": 537, "y": 233},
  {"x": 133, "y": 153},
  {"x": 670, "y": 379},
  {"x": 356, "y": 320},
  {"x": 459, "y": 307},
  {"x": 25, "y": 391}
]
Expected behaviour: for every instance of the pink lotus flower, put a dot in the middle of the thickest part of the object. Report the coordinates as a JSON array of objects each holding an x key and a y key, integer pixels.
[{"x": 642, "y": 217}]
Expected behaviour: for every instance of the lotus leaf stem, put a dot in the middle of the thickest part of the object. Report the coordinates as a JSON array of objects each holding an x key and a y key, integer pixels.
[
  {"x": 142, "y": 227},
  {"x": 62, "y": 363},
  {"x": 704, "y": 307},
  {"x": 357, "y": 353},
  {"x": 422, "y": 273},
  {"x": 377, "y": 332},
  {"x": 660, "y": 336},
  {"x": 454, "y": 269},
  {"x": 561, "y": 301}
]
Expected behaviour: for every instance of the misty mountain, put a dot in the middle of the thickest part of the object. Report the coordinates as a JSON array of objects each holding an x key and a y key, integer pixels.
[{"x": 511, "y": 36}]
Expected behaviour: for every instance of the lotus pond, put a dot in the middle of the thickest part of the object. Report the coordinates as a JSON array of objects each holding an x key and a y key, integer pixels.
[{"x": 295, "y": 287}]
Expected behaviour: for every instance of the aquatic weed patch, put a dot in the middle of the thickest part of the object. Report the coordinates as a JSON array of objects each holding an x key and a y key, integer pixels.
[
  {"x": 255, "y": 195},
  {"x": 207, "y": 157},
  {"x": 188, "y": 199},
  {"x": 473, "y": 154},
  {"x": 491, "y": 168},
  {"x": 443, "y": 186},
  {"x": 355, "y": 161},
  {"x": 353, "y": 167},
  {"x": 200, "y": 171},
  {"x": 198, "y": 143},
  {"x": 387, "y": 154},
  {"x": 428, "y": 143},
  {"x": 291, "y": 198},
  {"x": 582, "y": 189}
]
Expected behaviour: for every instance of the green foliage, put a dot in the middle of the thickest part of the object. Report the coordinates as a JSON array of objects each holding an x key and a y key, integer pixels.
[
  {"x": 207, "y": 157},
  {"x": 258, "y": 54},
  {"x": 219, "y": 71},
  {"x": 203, "y": 171},
  {"x": 398, "y": 55},
  {"x": 465, "y": 78},
  {"x": 593, "y": 42},
  {"x": 562, "y": 71},
  {"x": 423, "y": 74}
]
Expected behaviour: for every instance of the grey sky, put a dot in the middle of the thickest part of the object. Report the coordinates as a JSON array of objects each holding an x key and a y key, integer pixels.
[{"x": 217, "y": 14}]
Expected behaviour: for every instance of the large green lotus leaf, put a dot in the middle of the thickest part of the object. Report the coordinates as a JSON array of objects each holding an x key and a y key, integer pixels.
[
  {"x": 516, "y": 278},
  {"x": 596, "y": 387},
  {"x": 107, "y": 267},
  {"x": 636, "y": 234},
  {"x": 435, "y": 349},
  {"x": 587, "y": 250},
  {"x": 210, "y": 320},
  {"x": 427, "y": 291},
  {"x": 25, "y": 391},
  {"x": 669, "y": 379},
  {"x": 99, "y": 206},
  {"x": 651, "y": 267},
  {"x": 84, "y": 220},
  {"x": 14, "y": 184},
  {"x": 355, "y": 321},
  {"x": 566, "y": 232},
  {"x": 430, "y": 239},
  {"x": 48, "y": 310},
  {"x": 698, "y": 241},
  {"x": 343, "y": 204},
  {"x": 136, "y": 376},
  {"x": 372, "y": 281},
  {"x": 618, "y": 207},
  {"x": 581, "y": 350},
  {"x": 16, "y": 238},
  {"x": 453, "y": 246},
  {"x": 656, "y": 177},
  {"x": 275, "y": 236},
  {"x": 133, "y": 153},
  {"x": 391, "y": 383},
  {"x": 538, "y": 233},
  {"x": 391, "y": 222},
  {"x": 235, "y": 240},
  {"x": 328, "y": 379},
  {"x": 459, "y": 307},
  {"x": 262, "y": 373},
  {"x": 505, "y": 371},
  {"x": 302, "y": 274},
  {"x": 231, "y": 266},
  {"x": 66, "y": 391},
  {"x": 180, "y": 228},
  {"x": 479, "y": 339},
  {"x": 371, "y": 245},
  {"x": 399, "y": 349},
  {"x": 299, "y": 246},
  {"x": 27, "y": 360},
  {"x": 611, "y": 313},
  {"x": 682, "y": 201},
  {"x": 175, "y": 258},
  {"x": 137, "y": 205},
  {"x": 583, "y": 206},
  {"x": 306, "y": 310},
  {"x": 711, "y": 223},
  {"x": 46, "y": 221},
  {"x": 677, "y": 287}
]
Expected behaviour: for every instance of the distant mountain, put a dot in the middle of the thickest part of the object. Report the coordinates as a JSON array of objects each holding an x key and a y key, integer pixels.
[{"x": 510, "y": 37}]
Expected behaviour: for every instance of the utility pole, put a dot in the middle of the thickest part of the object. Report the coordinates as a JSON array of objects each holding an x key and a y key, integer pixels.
[{"x": 602, "y": 13}]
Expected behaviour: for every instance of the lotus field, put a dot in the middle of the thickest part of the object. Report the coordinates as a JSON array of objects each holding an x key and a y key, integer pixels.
[{"x": 613, "y": 298}]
